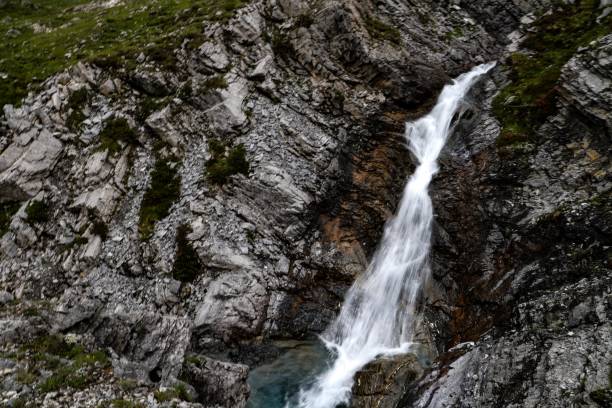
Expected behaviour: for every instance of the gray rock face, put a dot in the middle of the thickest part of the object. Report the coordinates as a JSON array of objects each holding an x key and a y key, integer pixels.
[{"x": 318, "y": 99}]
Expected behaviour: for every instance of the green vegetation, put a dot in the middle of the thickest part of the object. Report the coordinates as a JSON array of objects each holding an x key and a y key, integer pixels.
[
  {"x": 187, "y": 264},
  {"x": 7, "y": 210},
  {"x": 47, "y": 36},
  {"x": 70, "y": 364},
  {"x": 382, "y": 31},
  {"x": 281, "y": 45},
  {"x": 117, "y": 132},
  {"x": 215, "y": 82},
  {"x": 76, "y": 103},
  {"x": 456, "y": 33},
  {"x": 304, "y": 20},
  {"x": 225, "y": 162},
  {"x": 100, "y": 229},
  {"x": 523, "y": 105},
  {"x": 121, "y": 403},
  {"x": 177, "y": 392},
  {"x": 37, "y": 212},
  {"x": 164, "y": 190},
  {"x": 603, "y": 396},
  {"x": 148, "y": 105}
]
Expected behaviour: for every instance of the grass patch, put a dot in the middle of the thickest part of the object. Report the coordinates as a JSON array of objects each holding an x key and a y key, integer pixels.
[
  {"x": 524, "y": 104},
  {"x": 37, "y": 212},
  {"x": 111, "y": 37},
  {"x": 225, "y": 162},
  {"x": 164, "y": 190},
  {"x": 117, "y": 134},
  {"x": 7, "y": 210},
  {"x": 70, "y": 364},
  {"x": 177, "y": 392},
  {"x": 187, "y": 265},
  {"x": 382, "y": 31}
]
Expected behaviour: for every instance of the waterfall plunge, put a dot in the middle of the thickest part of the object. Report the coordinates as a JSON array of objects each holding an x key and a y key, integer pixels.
[{"x": 378, "y": 315}]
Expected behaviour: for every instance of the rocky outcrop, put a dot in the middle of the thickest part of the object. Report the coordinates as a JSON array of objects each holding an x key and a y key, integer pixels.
[{"x": 315, "y": 95}]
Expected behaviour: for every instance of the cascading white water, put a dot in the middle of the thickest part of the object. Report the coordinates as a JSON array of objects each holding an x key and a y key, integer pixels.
[{"x": 378, "y": 315}]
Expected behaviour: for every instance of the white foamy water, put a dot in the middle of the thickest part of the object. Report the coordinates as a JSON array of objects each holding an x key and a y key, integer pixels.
[{"x": 378, "y": 315}]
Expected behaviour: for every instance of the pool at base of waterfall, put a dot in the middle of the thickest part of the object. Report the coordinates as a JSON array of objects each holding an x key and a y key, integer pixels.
[{"x": 277, "y": 383}]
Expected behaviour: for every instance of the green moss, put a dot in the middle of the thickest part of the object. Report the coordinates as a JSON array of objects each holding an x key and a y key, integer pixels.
[
  {"x": 225, "y": 162},
  {"x": 382, "y": 31},
  {"x": 116, "y": 134},
  {"x": 111, "y": 37},
  {"x": 177, "y": 392},
  {"x": 164, "y": 190},
  {"x": 37, "y": 212},
  {"x": 77, "y": 101},
  {"x": 215, "y": 82},
  {"x": 7, "y": 210},
  {"x": 524, "y": 104}
]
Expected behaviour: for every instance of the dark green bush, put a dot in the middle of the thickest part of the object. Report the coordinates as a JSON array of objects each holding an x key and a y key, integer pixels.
[
  {"x": 7, "y": 210},
  {"x": 281, "y": 45},
  {"x": 164, "y": 190},
  {"x": 215, "y": 82},
  {"x": 115, "y": 132},
  {"x": 100, "y": 229},
  {"x": 37, "y": 212},
  {"x": 187, "y": 264},
  {"x": 224, "y": 163}
]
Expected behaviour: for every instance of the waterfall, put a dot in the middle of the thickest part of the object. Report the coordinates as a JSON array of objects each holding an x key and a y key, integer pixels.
[{"x": 378, "y": 315}]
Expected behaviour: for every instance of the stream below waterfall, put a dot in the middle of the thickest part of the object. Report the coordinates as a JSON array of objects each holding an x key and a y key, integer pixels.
[{"x": 380, "y": 311}]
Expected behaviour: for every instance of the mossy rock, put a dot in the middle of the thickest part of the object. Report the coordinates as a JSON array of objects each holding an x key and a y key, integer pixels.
[
  {"x": 382, "y": 31},
  {"x": 524, "y": 104}
]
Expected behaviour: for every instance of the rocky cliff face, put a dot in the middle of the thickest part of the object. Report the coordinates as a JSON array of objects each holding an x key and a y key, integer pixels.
[{"x": 163, "y": 223}]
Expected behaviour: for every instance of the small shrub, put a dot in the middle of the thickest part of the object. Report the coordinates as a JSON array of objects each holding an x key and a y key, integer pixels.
[
  {"x": 116, "y": 132},
  {"x": 147, "y": 106},
  {"x": 215, "y": 82},
  {"x": 281, "y": 45},
  {"x": 164, "y": 190},
  {"x": 100, "y": 229},
  {"x": 223, "y": 164},
  {"x": 76, "y": 102},
  {"x": 382, "y": 31},
  {"x": 37, "y": 212},
  {"x": 7, "y": 210},
  {"x": 304, "y": 20},
  {"x": 187, "y": 264}
]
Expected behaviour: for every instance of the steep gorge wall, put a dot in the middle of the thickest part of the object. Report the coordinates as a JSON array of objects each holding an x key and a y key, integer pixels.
[{"x": 318, "y": 93}]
